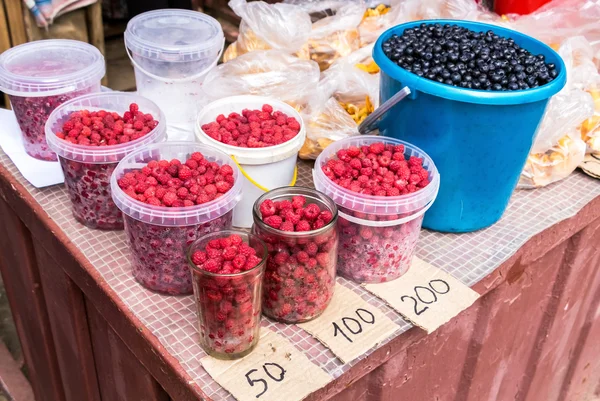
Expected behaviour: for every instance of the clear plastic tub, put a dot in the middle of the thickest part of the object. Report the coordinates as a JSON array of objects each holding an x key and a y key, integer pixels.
[
  {"x": 378, "y": 234},
  {"x": 300, "y": 276},
  {"x": 229, "y": 305},
  {"x": 172, "y": 51},
  {"x": 39, "y": 76},
  {"x": 159, "y": 235},
  {"x": 88, "y": 169},
  {"x": 270, "y": 167}
]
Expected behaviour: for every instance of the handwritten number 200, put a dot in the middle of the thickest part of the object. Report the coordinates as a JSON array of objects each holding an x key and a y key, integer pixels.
[
  {"x": 356, "y": 327},
  {"x": 268, "y": 372},
  {"x": 427, "y": 295}
]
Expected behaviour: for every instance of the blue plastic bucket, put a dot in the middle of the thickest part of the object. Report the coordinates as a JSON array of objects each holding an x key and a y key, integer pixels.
[{"x": 478, "y": 139}]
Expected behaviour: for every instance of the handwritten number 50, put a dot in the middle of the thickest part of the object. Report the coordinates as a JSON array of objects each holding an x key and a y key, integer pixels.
[
  {"x": 427, "y": 295},
  {"x": 277, "y": 377}
]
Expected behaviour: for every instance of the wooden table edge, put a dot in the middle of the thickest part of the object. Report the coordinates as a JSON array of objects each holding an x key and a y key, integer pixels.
[{"x": 105, "y": 299}]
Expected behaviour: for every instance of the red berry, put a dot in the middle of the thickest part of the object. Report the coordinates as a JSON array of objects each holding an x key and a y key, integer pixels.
[{"x": 274, "y": 221}]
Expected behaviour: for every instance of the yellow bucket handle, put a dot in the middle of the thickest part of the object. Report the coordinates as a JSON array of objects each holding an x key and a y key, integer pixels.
[{"x": 256, "y": 184}]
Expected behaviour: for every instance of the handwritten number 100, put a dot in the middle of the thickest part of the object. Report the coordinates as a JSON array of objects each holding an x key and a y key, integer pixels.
[
  {"x": 427, "y": 295},
  {"x": 352, "y": 324}
]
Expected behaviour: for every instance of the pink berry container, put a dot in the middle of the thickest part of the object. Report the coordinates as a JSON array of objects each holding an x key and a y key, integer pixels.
[
  {"x": 41, "y": 75},
  {"x": 159, "y": 235},
  {"x": 88, "y": 169},
  {"x": 378, "y": 234},
  {"x": 300, "y": 277},
  {"x": 229, "y": 305}
]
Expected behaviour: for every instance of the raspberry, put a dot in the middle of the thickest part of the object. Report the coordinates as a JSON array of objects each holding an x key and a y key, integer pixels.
[
  {"x": 199, "y": 257},
  {"x": 298, "y": 202},
  {"x": 312, "y": 211},
  {"x": 169, "y": 198},
  {"x": 267, "y": 108},
  {"x": 274, "y": 221},
  {"x": 229, "y": 253},
  {"x": 286, "y": 226},
  {"x": 289, "y": 215},
  {"x": 182, "y": 193},
  {"x": 267, "y": 208},
  {"x": 326, "y": 216},
  {"x": 303, "y": 225}
]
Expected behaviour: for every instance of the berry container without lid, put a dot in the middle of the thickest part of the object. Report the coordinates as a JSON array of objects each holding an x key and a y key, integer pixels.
[
  {"x": 377, "y": 234},
  {"x": 159, "y": 235},
  {"x": 229, "y": 305},
  {"x": 300, "y": 277},
  {"x": 172, "y": 51},
  {"x": 269, "y": 167},
  {"x": 39, "y": 76},
  {"x": 479, "y": 139},
  {"x": 88, "y": 169}
]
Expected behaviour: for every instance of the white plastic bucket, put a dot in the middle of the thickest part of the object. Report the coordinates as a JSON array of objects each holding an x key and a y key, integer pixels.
[
  {"x": 172, "y": 51},
  {"x": 263, "y": 169}
]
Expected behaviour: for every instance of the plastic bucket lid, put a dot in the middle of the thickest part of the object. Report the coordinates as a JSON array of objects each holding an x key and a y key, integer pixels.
[
  {"x": 174, "y": 216},
  {"x": 250, "y": 156},
  {"x": 382, "y": 205},
  {"x": 109, "y": 101},
  {"x": 50, "y": 67},
  {"x": 173, "y": 35}
]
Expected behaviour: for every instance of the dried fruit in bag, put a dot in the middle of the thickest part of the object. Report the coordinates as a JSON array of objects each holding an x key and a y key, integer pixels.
[{"x": 590, "y": 129}]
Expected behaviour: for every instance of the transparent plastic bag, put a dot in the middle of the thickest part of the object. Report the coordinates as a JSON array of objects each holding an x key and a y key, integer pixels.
[
  {"x": 335, "y": 33},
  {"x": 269, "y": 26},
  {"x": 272, "y": 73},
  {"x": 379, "y": 16},
  {"x": 590, "y": 129},
  {"x": 346, "y": 95}
]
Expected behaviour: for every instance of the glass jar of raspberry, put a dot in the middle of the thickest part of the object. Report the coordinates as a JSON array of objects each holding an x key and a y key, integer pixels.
[
  {"x": 228, "y": 291},
  {"x": 382, "y": 187},
  {"x": 299, "y": 227},
  {"x": 88, "y": 167},
  {"x": 39, "y": 76},
  {"x": 184, "y": 205}
]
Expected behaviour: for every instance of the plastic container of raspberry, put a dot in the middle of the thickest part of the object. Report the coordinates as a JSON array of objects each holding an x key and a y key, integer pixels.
[
  {"x": 270, "y": 167},
  {"x": 172, "y": 51},
  {"x": 41, "y": 75},
  {"x": 87, "y": 169},
  {"x": 160, "y": 235},
  {"x": 229, "y": 305},
  {"x": 378, "y": 234},
  {"x": 300, "y": 276}
]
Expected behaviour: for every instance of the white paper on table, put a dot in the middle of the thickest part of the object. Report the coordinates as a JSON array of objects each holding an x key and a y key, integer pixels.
[{"x": 38, "y": 172}]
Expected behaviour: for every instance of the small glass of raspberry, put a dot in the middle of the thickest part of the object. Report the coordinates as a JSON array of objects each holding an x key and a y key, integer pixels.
[
  {"x": 90, "y": 135},
  {"x": 172, "y": 194},
  {"x": 227, "y": 274},
  {"x": 382, "y": 187},
  {"x": 41, "y": 75},
  {"x": 299, "y": 227}
]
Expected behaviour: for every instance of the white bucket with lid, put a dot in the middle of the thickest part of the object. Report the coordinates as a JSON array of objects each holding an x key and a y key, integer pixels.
[
  {"x": 263, "y": 169},
  {"x": 172, "y": 51}
]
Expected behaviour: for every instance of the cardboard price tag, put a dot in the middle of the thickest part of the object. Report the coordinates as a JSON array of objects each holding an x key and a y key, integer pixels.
[
  {"x": 350, "y": 326},
  {"x": 274, "y": 371},
  {"x": 425, "y": 295}
]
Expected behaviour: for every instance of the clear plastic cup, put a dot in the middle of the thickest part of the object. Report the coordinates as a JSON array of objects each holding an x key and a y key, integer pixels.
[
  {"x": 229, "y": 305},
  {"x": 378, "y": 234},
  {"x": 300, "y": 277},
  {"x": 159, "y": 235},
  {"x": 88, "y": 169},
  {"x": 39, "y": 76},
  {"x": 172, "y": 51}
]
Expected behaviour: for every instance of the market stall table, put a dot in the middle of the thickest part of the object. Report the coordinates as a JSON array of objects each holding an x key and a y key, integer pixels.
[{"x": 90, "y": 332}]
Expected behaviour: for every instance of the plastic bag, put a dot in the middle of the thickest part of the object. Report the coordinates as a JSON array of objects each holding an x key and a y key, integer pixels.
[
  {"x": 272, "y": 73},
  {"x": 590, "y": 129},
  {"x": 345, "y": 96},
  {"x": 379, "y": 16},
  {"x": 559, "y": 148},
  {"x": 269, "y": 26},
  {"x": 336, "y": 34}
]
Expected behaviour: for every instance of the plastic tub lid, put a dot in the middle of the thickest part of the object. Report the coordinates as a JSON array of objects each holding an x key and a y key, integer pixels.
[
  {"x": 250, "y": 156},
  {"x": 50, "y": 67},
  {"x": 174, "y": 35},
  {"x": 109, "y": 101}
]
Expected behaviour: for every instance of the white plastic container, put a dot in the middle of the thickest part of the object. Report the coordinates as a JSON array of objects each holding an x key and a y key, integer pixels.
[
  {"x": 270, "y": 167},
  {"x": 378, "y": 234},
  {"x": 88, "y": 169},
  {"x": 39, "y": 76},
  {"x": 159, "y": 235},
  {"x": 172, "y": 51}
]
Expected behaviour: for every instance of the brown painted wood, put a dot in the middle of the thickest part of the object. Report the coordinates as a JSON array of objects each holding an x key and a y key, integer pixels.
[
  {"x": 12, "y": 379},
  {"x": 14, "y": 13},
  {"x": 120, "y": 374},
  {"x": 25, "y": 295},
  {"x": 68, "y": 320},
  {"x": 95, "y": 29}
]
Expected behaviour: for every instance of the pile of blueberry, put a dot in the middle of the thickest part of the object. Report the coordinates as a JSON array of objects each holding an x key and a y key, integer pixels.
[{"x": 457, "y": 56}]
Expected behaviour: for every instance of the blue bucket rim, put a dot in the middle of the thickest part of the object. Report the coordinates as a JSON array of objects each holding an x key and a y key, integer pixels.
[{"x": 416, "y": 83}]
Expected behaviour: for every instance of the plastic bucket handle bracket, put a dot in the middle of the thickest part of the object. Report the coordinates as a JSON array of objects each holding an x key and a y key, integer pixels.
[
  {"x": 156, "y": 77},
  {"x": 371, "y": 123},
  {"x": 255, "y": 183}
]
